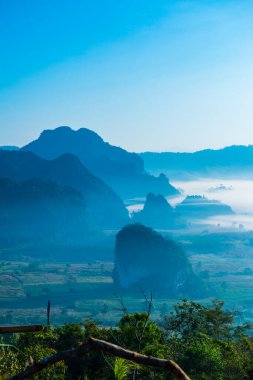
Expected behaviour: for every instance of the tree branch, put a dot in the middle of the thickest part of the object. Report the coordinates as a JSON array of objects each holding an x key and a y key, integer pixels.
[
  {"x": 123, "y": 308},
  {"x": 150, "y": 304},
  {"x": 101, "y": 345}
]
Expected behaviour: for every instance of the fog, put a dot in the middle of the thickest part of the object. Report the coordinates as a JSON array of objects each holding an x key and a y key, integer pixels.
[{"x": 238, "y": 194}]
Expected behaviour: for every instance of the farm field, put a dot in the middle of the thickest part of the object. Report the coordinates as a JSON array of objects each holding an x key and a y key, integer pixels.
[
  {"x": 83, "y": 291},
  {"x": 77, "y": 292}
]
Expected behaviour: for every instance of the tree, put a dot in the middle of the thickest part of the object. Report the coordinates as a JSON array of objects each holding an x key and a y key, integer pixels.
[
  {"x": 207, "y": 343},
  {"x": 191, "y": 319}
]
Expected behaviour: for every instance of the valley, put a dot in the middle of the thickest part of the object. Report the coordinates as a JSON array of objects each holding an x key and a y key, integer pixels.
[{"x": 84, "y": 290}]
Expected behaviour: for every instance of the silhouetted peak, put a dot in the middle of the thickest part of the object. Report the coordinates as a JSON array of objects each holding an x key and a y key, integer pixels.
[
  {"x": 157, "y": 213},
  {"x": 121, "y": 170},
  {"x": 67, "y": 132},
  {"x": 88, "y": 133},
  {"x": 157, "y": 201},
  {"x": 62, "y": 130}
]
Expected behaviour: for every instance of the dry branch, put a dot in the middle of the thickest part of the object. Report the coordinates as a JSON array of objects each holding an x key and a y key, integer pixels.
[
  {"x": 20, "y": 329},
  {"x": 101, "y": 345}
]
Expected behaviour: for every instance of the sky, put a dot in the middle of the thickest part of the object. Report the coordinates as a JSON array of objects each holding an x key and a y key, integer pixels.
[{"x": 147, "y": 75}]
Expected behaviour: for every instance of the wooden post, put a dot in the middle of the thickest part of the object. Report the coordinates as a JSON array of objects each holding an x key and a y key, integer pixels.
[
  {"x": 20, "y": 329},
  {"x": 48, "y": 312}
]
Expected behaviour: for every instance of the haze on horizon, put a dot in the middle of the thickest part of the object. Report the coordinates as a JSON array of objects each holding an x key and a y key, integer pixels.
[{"x": 144, "y": 75}]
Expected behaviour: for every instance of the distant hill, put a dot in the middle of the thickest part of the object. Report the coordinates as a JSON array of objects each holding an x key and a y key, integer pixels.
[
  {"x": 197, "y": 206},
  {"x": 121, "y": 170},
  {"x": 144, "y": 259},
  {"x": 157, "y": 213},
  {"x": 7, "y": 147},
  {"x": 233, "y": 161},
  {"x": 103, "y": 205},
  {"x": 36, "y": 211}
]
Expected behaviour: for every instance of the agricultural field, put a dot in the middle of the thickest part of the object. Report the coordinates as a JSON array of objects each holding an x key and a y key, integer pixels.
[
  {"x": 81, "y": 291},
  {"x": 76, "y": 291}
]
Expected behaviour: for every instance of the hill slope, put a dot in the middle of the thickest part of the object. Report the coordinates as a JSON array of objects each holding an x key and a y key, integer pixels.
[
  {"x": 37, "y": 211},
  {"x": 104, "y": 206}
]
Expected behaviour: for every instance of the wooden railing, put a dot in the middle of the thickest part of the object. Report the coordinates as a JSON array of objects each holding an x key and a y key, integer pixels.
[
  {"x": 90, "y": 346},
  {"x": 100, "y": 345}
]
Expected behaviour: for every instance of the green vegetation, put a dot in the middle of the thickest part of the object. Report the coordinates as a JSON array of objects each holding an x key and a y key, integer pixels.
[
  {"x": 206, "y": 341},
  {"x": 84, "y": 289}
]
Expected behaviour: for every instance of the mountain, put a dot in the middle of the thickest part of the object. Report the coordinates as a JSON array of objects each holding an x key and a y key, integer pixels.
[
  {"x": 144, "y": 259},
  {"x": 232, "y": 162},
  {"x": 197, "y": 206},
  {"x": 157, "y": 213},
  {"x": 36, "y": 211},
  {"x": 103, "y": 205},
  {"x": 121, "y": 170},
  {"x": 9, "y": 147}
]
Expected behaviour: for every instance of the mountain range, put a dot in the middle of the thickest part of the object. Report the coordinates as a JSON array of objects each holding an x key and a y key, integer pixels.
[
  {"x": 232, "y": 162},
  {"x": 121, "y": 170},
  {"x": 103, "y": 204}
]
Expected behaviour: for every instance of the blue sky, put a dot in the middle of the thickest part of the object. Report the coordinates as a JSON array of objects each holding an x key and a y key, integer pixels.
[{"x": 145, "y": 74}]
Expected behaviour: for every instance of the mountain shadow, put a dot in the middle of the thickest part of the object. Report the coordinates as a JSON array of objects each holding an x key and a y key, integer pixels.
[{"x": 121, "y": 170}]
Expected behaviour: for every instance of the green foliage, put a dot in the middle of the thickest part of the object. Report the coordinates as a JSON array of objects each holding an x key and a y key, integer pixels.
[
  {"x": 121, "y": 368},
  {"x": 32, "y": 354},
  {"x": 207, "y": 343},
  {"x": 138, "y": 332},
  {"x": 9, "y": 363},
  {"x": 204, "y": 340},
  {"x": 191, "y": 319}
]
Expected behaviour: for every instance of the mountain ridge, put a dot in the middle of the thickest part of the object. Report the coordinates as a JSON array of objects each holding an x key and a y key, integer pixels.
[
  {"x": 121, "y": 170},
  {"x": 104, "y": 205},
  {"x": 232, "y": 161}
]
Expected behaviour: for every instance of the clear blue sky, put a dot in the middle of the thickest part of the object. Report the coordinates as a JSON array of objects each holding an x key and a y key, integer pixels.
[{"x": 145, "y": 74}]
